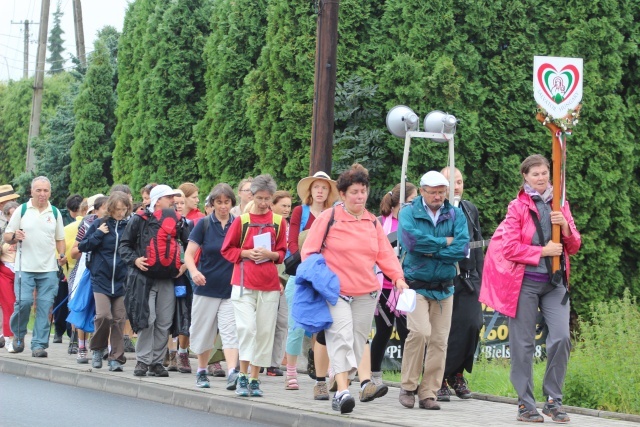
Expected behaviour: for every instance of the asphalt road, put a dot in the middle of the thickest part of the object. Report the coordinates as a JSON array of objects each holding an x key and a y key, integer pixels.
[{"x": 29, "y": 402}]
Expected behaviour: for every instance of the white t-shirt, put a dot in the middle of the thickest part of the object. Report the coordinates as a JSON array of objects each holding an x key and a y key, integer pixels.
[{"x": 42, "y": 230}]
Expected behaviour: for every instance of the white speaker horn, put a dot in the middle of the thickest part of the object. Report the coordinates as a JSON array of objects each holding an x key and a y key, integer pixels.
[
  {"x": 401, "y": 119},
  {"x": 440, "y": 122}
]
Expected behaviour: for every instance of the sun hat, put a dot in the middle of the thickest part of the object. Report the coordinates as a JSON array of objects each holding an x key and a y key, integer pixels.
[
  {"x": 91, "y": 201},
  {"x": 7, "y": 193},
  {"x": 161, "y": 191},
  {"x": 433, "y": 179},
  {"x": 305, "y": 183}
]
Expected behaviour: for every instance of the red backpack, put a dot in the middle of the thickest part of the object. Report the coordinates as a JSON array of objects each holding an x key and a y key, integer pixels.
[{"x": 158, "y": 239}]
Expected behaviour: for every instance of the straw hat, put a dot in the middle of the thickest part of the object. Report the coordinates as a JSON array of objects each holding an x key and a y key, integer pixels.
[
  {"x": 7, "y": 193},
  {"x": 305, "y": 183}
]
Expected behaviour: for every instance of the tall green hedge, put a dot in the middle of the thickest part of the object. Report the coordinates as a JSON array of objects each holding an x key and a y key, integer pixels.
[
  {"x": 95, "y": 122},
  {"x": 224, "y": 140}
]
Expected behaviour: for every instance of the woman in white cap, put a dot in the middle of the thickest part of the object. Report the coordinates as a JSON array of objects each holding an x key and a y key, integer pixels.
[{"x": 317, "y": 193}]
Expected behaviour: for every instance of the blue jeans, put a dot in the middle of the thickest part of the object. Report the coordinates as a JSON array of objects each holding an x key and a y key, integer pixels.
[
  {"x": 46, "y": 285},
  {"x": 295, "y": 335}
]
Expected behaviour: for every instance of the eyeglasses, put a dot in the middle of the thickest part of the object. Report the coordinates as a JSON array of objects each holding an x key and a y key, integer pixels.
[
  {"x": 245, "y": 191},
  {"x": 435, "y": 193}
]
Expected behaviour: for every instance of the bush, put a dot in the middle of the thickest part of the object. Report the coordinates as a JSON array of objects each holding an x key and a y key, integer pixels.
[{"x": 603, "y": 370}]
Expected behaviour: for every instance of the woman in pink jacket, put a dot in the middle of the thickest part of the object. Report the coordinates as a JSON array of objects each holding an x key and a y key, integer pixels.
[
  {"x": 354, "y": 244},
  {"x": 517, "y": 280}
]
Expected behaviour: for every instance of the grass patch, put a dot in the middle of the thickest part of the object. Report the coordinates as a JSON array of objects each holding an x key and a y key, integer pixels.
[{"x": 603, "y": 371}]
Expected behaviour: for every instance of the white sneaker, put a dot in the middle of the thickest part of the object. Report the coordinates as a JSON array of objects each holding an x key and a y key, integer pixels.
[{"x": 9, "y": 345}]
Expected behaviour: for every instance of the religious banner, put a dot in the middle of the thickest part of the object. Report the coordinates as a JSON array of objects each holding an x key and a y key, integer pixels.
[{"x": 557, "y": 84}]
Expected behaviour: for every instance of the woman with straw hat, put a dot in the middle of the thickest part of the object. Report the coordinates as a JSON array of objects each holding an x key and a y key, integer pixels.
[{"x": 317, "y": 193}]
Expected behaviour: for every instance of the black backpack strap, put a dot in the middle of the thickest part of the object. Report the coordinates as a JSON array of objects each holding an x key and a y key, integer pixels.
[{"x": 547, "y": 260}]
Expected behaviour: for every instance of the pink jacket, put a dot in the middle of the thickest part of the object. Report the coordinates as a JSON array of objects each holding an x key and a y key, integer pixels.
[{"x": 510, "y": 251}]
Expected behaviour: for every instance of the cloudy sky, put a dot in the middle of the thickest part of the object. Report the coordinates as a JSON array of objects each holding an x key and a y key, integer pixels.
[{"x": 95, "y": 13}]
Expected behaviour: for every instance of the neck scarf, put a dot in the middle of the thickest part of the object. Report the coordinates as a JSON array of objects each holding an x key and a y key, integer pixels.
[{"x": 545, "y": 197}]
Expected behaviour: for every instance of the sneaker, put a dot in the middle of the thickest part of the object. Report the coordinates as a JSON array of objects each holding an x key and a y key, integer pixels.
[
  {"x": 201, "y": 380},
  {"x": 444, "y": 394},
  {"x": 555, "y": 410},
  {"x": 18, "y": 347},
  {"x": 184, "y": 366},
  {"x": 333, "y": 384},
  {"x": 311, "y": 365},
  {"x": 97, "y": 359},
  {"x": 165, "y": 361},
  {"x": 344, "y": 404},
  {"x": 141, "y": 369},
  {"x": 215, "y": 370},
  {"x": 371, "y": 391},
  {"x": 115, "y": 366},
  {"x": 82, "y": 355},
  {"x": 407, "y": 398},
  {"x": 529, "y": 416},
  {"x": 39, "y": 352},
  {"x": 274, "y": 372},
  {"x": 459, "y": 384},
  {"x": 10, "y": 348},
  {"x": 232, "y": 380},
  {"x": 157, "y": 370},
  {"x": 173, "y": 361},
  {"x": 2, "y": 341},
  {"x": 242, "y": 388},
  {"x": 57, "y": 339},
  {"x": 429, "y": 403},
  {"x": 73, "y": 347},
  {"x": 129, "y": 347},
  {"x": 320, "y": 391},
  {"x": 254, "y": 388}
]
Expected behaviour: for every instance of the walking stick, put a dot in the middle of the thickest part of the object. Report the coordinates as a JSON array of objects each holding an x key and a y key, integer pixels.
[{"x": 19, "y": 290}]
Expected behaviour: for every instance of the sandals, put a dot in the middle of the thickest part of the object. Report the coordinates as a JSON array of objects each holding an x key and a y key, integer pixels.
[{"x": 291, "y": 383}]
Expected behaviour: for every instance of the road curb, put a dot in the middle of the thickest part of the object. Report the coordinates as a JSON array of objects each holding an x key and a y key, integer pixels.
[{"x": 250, "y": 410}]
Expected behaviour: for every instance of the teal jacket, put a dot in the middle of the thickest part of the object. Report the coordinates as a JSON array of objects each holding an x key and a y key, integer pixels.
[{"x": 419, "y": 237}]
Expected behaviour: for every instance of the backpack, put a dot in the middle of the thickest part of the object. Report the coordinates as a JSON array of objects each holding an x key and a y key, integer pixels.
[
  {"x": 245, "y": 220},
  {"x": 23, "y": 210},
  {"x": 158, "y": 240}
]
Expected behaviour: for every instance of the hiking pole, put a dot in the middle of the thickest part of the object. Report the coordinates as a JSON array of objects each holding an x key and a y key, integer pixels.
[{"x": 19, "y": 290}]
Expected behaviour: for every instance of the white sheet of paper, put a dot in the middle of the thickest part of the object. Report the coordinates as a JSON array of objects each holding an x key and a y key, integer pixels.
[
  {"x": 262, "y": 241},
  {"x": 407, "y": 301}
]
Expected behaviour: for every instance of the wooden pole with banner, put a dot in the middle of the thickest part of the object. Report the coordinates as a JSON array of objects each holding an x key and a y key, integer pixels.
[
  {"x": 556, "y": 161},
  {"x": 557, "y": 88}
]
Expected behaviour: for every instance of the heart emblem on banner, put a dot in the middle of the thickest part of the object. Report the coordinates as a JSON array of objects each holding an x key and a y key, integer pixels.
[{"x": 558, "y": 85}]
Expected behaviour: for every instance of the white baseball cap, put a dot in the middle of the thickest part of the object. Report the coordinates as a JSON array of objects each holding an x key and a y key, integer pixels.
[
  {"x": 161, "y": 191},
  {"x": 91, "y": 201},
  {"x": 433, "y": 179}
]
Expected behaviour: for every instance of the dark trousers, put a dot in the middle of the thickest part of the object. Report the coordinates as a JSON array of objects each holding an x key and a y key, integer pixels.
[
  {"x": 384, "y": 331},
  {"x": 60, "y": 315}
]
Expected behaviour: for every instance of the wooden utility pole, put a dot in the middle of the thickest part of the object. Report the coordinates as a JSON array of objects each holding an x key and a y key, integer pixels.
[
  {"x": 79, "y": 30},
  {"x": 36, "y": 105},
  {"x": 25, "y": 67},
  {"x": 25, "y": 72},
  {"x": 324, "y": 86}
]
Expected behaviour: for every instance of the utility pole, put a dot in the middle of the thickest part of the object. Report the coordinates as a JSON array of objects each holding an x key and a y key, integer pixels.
[
  {"x": 79, "y": 30},
  {"x": 25, "y": 67},
  {"x": 36, "y": 105},
  {"x": 324, "y": 86}
]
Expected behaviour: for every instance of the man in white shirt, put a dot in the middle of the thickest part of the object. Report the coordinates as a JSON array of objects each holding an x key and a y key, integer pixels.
[{"x": 38, "y": 230}]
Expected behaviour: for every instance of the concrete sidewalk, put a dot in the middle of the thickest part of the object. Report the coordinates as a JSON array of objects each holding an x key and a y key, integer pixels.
[{"x": 278, "y": 406}]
